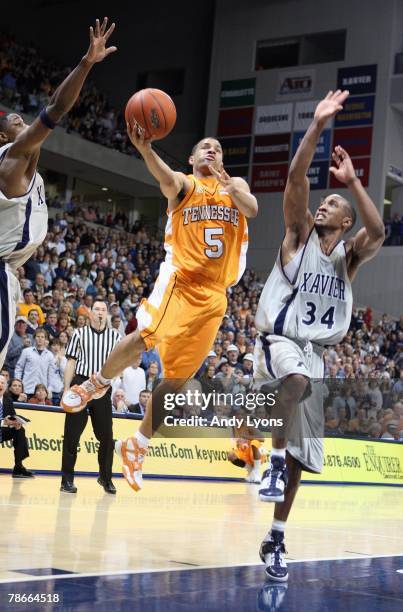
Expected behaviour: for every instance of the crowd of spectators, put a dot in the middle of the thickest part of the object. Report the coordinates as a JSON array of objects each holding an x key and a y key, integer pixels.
[
  {"x": 81, "y": 261},
  {"x": 394, "y": 231},
  {"x": 28, "y": 80},
  {"x": 87, "y": 255}
]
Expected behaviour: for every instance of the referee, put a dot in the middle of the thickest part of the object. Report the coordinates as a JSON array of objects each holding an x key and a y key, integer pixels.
[{"x": 87, "y": 351}]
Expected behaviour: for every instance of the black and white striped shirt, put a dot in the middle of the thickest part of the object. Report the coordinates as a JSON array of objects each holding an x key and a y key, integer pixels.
[{"x": 91, "y": 348}]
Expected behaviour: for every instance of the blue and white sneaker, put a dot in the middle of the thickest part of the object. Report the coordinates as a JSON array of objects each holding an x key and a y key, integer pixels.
[
  {"x": 274, "y": 481},
  {"x": 272, "y": 553}
]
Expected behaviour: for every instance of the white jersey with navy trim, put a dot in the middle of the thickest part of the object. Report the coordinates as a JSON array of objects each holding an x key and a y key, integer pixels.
[
  {"x": 313, "y": 306},
  {"x": 24, "y": 221}
]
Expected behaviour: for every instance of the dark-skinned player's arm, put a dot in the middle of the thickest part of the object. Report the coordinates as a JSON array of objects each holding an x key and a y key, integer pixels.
[
  {"x": 66, "y": 94},
  {"x": 171, "y": 182},
  {"x": 369, "y": 239},
  {"x": 297, "y": 216},
  {"x": 239, "y": 191}
]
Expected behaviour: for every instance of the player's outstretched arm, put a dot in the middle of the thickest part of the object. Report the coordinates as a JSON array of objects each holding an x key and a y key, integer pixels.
[
  {"x": 298, "y": 219},
  {"x": 67, "y": 93},
  {"x": 171, "y": 182},
  {"x": 239, "y": 191},
  {"x": 369, "y": 239}
]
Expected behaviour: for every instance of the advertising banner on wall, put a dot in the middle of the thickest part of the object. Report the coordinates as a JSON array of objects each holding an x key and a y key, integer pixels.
[
  {"x": 235, "y": 122},
  {"x": 357, "y": 79},
  {"x": 271, "y": 148},
  {"x": 357, "y": 111},
  {"x": 361, "y": 166},
  {"x": 322, "y": 148},
  {"x": 295, "y": 84},
  {"x": 236, "y": 150},
  {"x": 303, "y": 115},
  {"x": 356, "y": 141},
  {"x": 240, "y": 92},
  {"x": 273, "y": 119},
  {"x": 318, "y": 175},
  {"x": 269, "y": 178},
  {"x": 242, "y": 171},
  {"x": 345, "y": 460}
]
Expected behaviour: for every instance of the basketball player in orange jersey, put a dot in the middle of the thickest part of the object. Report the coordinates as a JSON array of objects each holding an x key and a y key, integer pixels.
[
  {"x": 248, "y": 452},
  {"x": 206, "y": 240}
]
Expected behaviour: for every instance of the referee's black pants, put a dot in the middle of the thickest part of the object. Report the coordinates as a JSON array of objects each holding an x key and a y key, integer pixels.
[{"x": 100, "y": 411}]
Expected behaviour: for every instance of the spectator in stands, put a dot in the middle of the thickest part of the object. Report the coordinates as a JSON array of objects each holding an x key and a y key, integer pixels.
[
  {"x": 39, "y": 287},
  {"x": 16, "y": 390},
  {"x": 133, "y": 381},
  {"x": 63, "y": 339},
  {"x": 47, "y": 302},
  {"x": 83, "y": 281},
  {"x": 33, "y": 321},
  {"x": 12, "y": 430},
  {"x": 398, "y": 385},
  {"x": 247, "y": 364},
  {"x": 391, "y": 432},
  {"x": 116, "y": 323},
  {"x": 16, "y": 345},
  {"x": 152, "y": 376},
  {"x": 40, "y": 396},
  {"x": 35, "y": 363},
  {"x": 28, "y": 304},
  {"x": 345, "y": 400},
  {"x": 359, "y": 425},
  {"x": 119, "y": 401},
  {"x": 375, "y": 431},
  {"x": 51, "y": 324},
  {"x": 210, "y": 360},
  {"x": 149, "y": 356},
  {"x": 58, "y": 366},
  {"x": 232, "y": 355},
  {"x": 140, "y": 407}
]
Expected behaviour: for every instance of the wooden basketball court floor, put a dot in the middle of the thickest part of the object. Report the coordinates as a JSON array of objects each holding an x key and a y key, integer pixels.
[{"x": 183, "y": 531}]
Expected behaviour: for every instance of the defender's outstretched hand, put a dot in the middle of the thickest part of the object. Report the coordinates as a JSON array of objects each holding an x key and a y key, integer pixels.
[
  {"x": 97, "y": 51},
  {"x": 344, "y": 169},
  {"x": 330, "y": 106}
]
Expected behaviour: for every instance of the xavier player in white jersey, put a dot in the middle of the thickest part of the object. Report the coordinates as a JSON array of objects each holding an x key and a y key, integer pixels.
[
  {"x": 23, "y": 223},
  {"x": 305, "y": 305}
]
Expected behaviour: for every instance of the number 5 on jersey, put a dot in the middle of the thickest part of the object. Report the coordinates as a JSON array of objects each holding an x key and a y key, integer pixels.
[{"x": 210, "y": 238}]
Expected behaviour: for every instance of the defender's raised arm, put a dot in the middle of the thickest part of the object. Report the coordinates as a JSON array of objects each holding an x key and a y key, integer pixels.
[
  {"x": 66, "y": 94},
  {"x": 298, "y": 219}
]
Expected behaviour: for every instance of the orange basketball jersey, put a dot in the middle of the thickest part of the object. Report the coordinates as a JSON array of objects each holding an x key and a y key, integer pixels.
[{"x": 206, "y": 236}]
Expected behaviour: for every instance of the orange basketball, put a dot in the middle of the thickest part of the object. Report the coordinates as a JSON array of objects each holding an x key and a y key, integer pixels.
[{"x": 153, "y": 110}]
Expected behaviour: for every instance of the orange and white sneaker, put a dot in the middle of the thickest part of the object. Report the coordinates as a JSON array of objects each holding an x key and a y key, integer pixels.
[
  {"x": 76, "y": 398},
  {"x": 132, "y": 456}
]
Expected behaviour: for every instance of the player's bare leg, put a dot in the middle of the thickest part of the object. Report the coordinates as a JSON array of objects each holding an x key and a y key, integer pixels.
[
  {"x": 275, "y": 477},
  {"x": 272, "y": 549},
  {"x": 133, "y": 450},
  {"x": 254, "y": 475}
]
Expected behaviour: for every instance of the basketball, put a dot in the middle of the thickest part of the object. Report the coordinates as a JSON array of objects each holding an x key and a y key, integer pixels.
[{"x": 153, "y": 110}]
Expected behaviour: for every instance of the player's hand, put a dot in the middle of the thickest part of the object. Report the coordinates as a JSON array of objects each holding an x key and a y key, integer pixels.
[
  {"x": 330, "y": 106},
  {"x": 138, "y": 137},
  {"x": 97, "y": 51},
  {"x": 344, "y": 169},
  {"x": 228, "y": 182},
  {"x": 8, "y": 422}
]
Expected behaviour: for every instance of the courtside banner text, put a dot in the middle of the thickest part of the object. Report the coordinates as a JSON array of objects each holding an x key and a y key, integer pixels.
[{"x": 346, "y": 460}]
